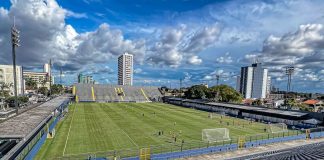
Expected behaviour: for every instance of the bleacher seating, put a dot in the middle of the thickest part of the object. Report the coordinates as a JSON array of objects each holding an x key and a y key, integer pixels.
[
  {"x": 116, "y": 93},
  {"x": 305, "y": 152}
]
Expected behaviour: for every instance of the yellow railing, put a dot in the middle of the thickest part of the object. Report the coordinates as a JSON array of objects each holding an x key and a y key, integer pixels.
[
  {"x": 73, "y": 90},
  {"x": 93, "y": 94},
  {"x": 144, "y": 94}
]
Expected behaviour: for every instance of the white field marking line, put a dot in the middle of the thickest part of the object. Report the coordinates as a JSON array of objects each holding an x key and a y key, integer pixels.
[
  {"x": 67, "y": 138},
  {"x": 128, "y": 137}
]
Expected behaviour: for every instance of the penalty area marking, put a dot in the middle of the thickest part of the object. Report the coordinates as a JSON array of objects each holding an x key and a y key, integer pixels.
[{"x": 67, "y": 138}]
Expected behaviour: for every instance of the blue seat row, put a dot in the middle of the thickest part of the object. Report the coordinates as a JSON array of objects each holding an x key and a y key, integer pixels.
[{"x": 317, "y": 135}]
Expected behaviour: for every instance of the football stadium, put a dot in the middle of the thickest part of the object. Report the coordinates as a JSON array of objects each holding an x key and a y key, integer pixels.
[
  {"x": 138, "y": 122},
  {"x": 96, "y": 127},
  {"x": 135, "y": 120}
]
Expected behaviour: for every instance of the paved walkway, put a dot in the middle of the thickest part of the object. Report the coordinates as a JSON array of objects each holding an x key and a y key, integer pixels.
[{"x": 256, "y": 150}]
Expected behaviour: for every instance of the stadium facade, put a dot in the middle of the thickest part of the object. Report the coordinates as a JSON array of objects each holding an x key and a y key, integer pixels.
[{"x": 125, "y": 69}]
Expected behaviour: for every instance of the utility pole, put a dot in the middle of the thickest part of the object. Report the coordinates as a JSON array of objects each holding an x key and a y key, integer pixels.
[{"x": 15, "y": 43}]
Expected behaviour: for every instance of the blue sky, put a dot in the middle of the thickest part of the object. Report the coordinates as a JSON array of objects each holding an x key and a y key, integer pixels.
[{"x": 170, "y": 39}]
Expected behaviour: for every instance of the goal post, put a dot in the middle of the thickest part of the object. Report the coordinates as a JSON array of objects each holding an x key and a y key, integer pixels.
[
  {"x": 278, "y": 127},
  {"x": 215, "y": 135}
]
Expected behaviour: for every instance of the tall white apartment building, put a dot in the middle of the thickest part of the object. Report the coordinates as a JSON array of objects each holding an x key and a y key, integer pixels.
[
  {"x": 253, "y": 81},
  {"x": 6, "y": 76},
  {"x": 125, "y": 69},
  {"x": 47, "y": 68},
  {"x": 268, "y": 86}
]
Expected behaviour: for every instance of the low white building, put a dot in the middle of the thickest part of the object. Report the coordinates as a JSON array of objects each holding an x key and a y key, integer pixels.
[
  {"x": 278, "y": 103},
  {"x": 6, "y": 76}
]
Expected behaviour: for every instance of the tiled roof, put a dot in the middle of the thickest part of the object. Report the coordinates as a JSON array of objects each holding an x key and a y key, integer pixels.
[{"x": 311, "y": 102}]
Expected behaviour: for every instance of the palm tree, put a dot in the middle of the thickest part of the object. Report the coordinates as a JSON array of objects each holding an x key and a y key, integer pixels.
[{"x": 31, "y": 84}]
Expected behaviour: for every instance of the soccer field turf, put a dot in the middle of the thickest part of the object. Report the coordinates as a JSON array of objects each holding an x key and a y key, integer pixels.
[{"x": 98, "y": 127}]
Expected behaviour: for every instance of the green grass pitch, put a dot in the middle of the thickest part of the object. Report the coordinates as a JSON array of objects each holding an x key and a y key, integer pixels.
[{"x": 102, "y": 127}]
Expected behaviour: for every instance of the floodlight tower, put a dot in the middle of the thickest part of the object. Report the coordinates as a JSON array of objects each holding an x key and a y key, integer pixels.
[
  {"x": 15, "y": 43},
  {"x": 289, "y": 72}
]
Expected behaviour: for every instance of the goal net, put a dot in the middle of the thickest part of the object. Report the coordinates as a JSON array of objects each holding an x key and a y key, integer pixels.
[
  {"x": 278, "y": 127},
  {"x": 215, "y": 135}
]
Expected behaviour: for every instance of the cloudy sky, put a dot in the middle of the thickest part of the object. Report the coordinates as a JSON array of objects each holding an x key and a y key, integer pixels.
[{"x": 170, "y": 39}]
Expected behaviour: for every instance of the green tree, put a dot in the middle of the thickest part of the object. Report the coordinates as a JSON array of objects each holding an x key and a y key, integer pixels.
[
  {"x": 4, "y": 87},
  {"x": 43, "y": 90},
  {"x": 291, "y": 102},
  {"x": 21, "y": 99},
  {"x": 57, "y": 89},
  {"x": 31, "y": 84},
  {"x": 257, "y": 102},
  {"x": 303, "y": 107},
  {"x": 225, "y": 93},
  {"x": 197, "y": 92}
]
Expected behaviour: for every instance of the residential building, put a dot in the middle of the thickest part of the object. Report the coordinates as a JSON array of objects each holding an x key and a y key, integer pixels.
[
  {"x": 268, "y": 90},
  {"x": 6, "y": 76},
  {"x": 86, "y": 79},
  {"x": 125, "y": 69},
  {"x": 254, "y": 81},
  {"x": 47, "y": 68},
  {"x": 41, "y": 78},
  {"x": 276, "y": 96},
  {"x": 277, "y": 103},
  {"x": 316, "y": 105},
  {"x": 246, "y": 81}
]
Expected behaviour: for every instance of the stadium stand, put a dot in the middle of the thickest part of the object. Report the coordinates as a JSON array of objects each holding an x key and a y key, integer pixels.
[
  {"x": 17, "y": 132},
  {"x": 116, "y": 93},
  {"x": 294, "y": 119},
  {"x": 305, "y": 152},
  {"x": 153, "y": 92}
]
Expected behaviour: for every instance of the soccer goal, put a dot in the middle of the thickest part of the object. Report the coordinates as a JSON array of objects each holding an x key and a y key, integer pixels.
[
  {"x": 278, "y": 127},
  {"x": 215, "y": 135}
]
